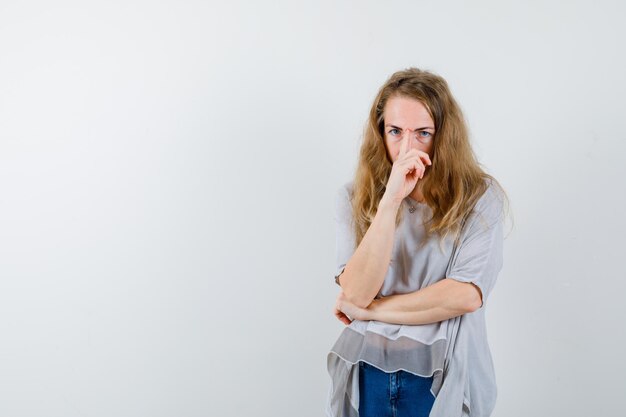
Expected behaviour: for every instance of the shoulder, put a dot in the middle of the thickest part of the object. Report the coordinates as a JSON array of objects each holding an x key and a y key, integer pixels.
[
  {"x": 491, "y": 203},
  {"x": 347, "y": 186},
  {"x": 344, "y": 191},
  {"x": 343, "y": 200}
]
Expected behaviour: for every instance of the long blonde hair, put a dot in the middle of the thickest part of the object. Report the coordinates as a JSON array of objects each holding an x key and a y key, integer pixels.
[{"x": 453, "y": 183}]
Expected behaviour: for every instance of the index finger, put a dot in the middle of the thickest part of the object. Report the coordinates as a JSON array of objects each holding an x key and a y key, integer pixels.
[{"x": 404, "y": 146}]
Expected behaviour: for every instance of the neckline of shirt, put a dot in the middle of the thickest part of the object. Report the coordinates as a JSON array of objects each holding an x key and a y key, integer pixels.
[{"x": 414, "y": 202}]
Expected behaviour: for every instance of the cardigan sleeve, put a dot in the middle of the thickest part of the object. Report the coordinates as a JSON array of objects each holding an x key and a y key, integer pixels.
[
  {"x": 344, "y": 232},
  {"x": 479, "y": 256}
]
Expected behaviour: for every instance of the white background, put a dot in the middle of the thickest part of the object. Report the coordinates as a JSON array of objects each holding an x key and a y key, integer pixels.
[{"x": 168, "y": 170}]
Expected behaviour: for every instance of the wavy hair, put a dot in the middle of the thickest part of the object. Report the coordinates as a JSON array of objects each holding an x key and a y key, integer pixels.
[{"x": 453, "y": 183}]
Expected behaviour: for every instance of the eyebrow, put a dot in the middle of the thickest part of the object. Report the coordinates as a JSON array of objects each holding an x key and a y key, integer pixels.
[{"x": 421, "y": 128}]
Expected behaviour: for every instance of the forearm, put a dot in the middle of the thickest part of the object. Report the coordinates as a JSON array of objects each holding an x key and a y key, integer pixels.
[
  {"x": 366, "y": 270},
  {"x": 440, "y": 301}
]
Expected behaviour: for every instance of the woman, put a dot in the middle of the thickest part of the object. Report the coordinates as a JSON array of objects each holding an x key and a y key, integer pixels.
[{"x": 419, "y": 248}]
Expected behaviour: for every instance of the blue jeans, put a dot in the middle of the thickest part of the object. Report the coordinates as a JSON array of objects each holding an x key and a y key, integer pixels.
[{"x": 395, "y": 394}]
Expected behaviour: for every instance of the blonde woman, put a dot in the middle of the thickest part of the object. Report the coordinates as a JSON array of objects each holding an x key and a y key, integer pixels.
[{"x": 419, "y": 248}]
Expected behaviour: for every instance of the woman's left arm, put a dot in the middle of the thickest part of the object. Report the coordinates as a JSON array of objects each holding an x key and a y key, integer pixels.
[
  {"x": 469, "y": 279},
  {"x": 440, "y": 301}
]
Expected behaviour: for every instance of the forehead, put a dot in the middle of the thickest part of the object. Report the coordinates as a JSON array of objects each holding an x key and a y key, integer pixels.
[{"x": 406, "y": 112}]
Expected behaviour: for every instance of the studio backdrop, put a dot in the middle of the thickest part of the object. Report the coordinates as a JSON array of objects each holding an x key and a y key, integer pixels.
[{"x": 168, "y": 172}]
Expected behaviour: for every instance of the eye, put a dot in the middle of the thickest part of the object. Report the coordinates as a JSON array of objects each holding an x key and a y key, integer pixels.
[
  {"x": 394, "y": 129},
  {"x": 427, "y": 134}
]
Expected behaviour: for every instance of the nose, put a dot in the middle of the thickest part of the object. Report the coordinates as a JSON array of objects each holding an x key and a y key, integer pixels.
[{"x": 408, "y": 134}]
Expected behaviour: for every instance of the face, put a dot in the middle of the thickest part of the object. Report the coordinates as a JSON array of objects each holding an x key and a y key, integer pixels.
[{"x": 406, "y": 119}]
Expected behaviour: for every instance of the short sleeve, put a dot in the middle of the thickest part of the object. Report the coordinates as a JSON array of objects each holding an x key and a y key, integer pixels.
[
  {"x": 345, "y": 242},
  {"x": 479, "y": 256}
]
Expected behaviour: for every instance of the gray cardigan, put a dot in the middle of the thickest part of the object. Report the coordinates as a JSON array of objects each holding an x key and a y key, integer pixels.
[{"x": 455, "y": 351}]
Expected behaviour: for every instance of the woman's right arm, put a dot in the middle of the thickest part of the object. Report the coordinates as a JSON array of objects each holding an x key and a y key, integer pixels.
[{"x": 365, "y": 271}]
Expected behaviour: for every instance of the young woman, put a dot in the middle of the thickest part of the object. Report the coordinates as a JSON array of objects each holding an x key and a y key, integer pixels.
[{"x": 419, "y": 249}]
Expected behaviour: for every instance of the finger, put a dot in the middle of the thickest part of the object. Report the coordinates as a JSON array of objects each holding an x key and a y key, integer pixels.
[
  {"x": 345, "y": 319},
  {"x": 342, "y": 317},
  {"x": 422, "y": 155},
  {"x": 419, "y": 168},
  {"x": 404, "y": 147},
  {"x": 426, "y": 158},
  {"x": 412, "y": 164}
]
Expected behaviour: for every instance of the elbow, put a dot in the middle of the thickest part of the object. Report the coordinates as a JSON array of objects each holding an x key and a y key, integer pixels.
[
  {"x": 474, "y": 301},
  {"x": 465, "y": 296},
  {"x": 355, "y": 294},
  {"x": 473, "y": 305},
  {"x": 359, "y": 300}
]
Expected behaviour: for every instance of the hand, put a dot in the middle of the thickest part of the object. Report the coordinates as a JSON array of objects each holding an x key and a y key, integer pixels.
[
  {"x": 344, "y": 308},
  {"x": 406, "y": 171}
]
